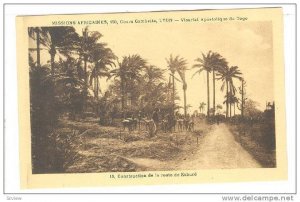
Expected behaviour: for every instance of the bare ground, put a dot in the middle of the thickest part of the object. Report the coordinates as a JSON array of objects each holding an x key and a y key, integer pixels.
[{"x": 111, "y": 149}]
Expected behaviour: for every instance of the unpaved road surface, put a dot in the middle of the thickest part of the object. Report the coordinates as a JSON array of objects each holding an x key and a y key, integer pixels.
[{"x": 217, "y": 150}]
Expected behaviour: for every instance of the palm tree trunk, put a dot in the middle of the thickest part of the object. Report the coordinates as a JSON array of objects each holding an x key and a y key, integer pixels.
[
  {"x": 242, "y": 107},
  {"x": 94, "y": 89},
  {"x": 227, "y": 95},
  {"x": 122, "y": 93},
  {"x": 184, "y": 92},
  {"x": 85, "y": 71},
  {"x": 173, "y": 94},
  {"x": 97, "y": 94},
  {"x": 85, "y": 83},
  {"x": 52, "y": 52},
  {"x": 97, "y": 87},
  {"x": 38, "y": 57},
  {"x": 214, "y": 93},
  {"x": 52, "y": 63},
  {"x": 208, "y": 104},
  {"x": 233, "y": 109}
]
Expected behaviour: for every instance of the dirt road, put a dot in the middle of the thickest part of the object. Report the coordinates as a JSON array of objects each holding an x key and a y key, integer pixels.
[
  {"x": 220, "y": 150},
  {"x": 217, "y": 150}
]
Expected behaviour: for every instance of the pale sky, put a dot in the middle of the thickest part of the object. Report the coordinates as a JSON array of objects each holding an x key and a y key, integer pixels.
[{"x": 247, "y": 45}]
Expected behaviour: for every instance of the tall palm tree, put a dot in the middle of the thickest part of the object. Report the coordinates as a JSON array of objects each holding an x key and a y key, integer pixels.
[
  {"x": 102, "y": 58},
  {"x": 178, "y": 64},
  {"x": 218, "y": 62},
  {"x": 226, "y": 74},
  {"x": 181, "y": 69},
  {"x": 211, "y": 62},
  {"x": 203, "y": 64},
  {"x": 172, "y": 69},
  {"x": 88, "y": 43},
  {"x": 38, "y": 34},
  {"x": 34, "y": 33}
]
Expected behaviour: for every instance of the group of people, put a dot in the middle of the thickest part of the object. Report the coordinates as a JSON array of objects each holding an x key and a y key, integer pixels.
[{"x": 158, "y": 120}]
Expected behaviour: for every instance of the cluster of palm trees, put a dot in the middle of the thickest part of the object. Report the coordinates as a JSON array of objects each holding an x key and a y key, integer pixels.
[
  {"x": 213, "y": 63},
  {"x": 142, "y": 86},
  {"x": 92, "y": 57},
  {"x": 84, "y": 60},
  {"x": 139, "y": 84}
]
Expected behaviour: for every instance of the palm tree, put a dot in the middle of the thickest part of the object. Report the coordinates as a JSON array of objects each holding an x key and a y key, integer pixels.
[
  {"x": 54, "y": 39},
  {"x": 218, "y": 62},
  {"x": 178, "y": 65},
  {"x": 128, "y": 71},
  {"x": 181, "y": 69},
  {"x": 242, "y": 92},
  {"x": 34, "y": 33},
  {"x": 151, "y": 87},
  {"x": 69, "y": 86},
  {"x": 120, "y": 73},
  {"x": 234, "y": 102},
  {"x": 172, "y": 69},
  {"x": 102, "y": 58},
  {"x": 211, "y": 62},
  {"x": 153, "y": 74},
  {"x": 231, "y": 99},
  {"x": 226, "y": 74},
  {"x": 227, "y": 101},
  {"x": 86, "y": 47},
  {"x": 60, "y": 40},
  {"x": 204, "y": 64},
  {"x": 38, "y": 34}
]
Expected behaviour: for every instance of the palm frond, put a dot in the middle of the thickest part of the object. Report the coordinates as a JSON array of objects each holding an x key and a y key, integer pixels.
[{"x": 197, "y": 72}]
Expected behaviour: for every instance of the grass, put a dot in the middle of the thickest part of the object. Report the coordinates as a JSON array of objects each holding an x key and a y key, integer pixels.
[{"x": 258, "y": 139}]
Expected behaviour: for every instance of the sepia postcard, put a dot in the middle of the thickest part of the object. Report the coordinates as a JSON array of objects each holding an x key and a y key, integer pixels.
[{"x": 151, "y": 98}]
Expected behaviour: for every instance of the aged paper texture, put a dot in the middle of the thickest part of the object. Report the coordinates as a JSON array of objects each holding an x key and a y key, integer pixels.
[{"x": 151, "y": 98}]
